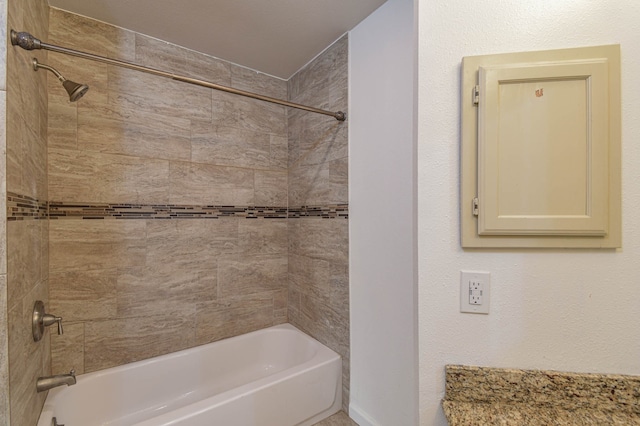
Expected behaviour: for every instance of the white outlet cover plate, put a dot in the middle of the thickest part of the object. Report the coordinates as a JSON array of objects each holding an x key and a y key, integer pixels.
[{"x": 466, "y": 277}]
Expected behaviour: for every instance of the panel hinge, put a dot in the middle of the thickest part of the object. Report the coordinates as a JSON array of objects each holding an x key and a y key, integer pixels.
[
  {"x": 476, "y": 95},
  {"x": 475, "y": 206}
]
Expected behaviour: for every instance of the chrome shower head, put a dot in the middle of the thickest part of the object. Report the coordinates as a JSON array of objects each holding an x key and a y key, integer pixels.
[{"x": 75, "y": 90}]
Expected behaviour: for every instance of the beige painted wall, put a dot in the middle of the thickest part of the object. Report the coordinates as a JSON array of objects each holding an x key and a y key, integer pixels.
[{"x": 567, "y": 310}]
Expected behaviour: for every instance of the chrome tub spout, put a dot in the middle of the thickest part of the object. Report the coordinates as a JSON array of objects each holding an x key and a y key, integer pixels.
[{"x": 46, "y": 383}]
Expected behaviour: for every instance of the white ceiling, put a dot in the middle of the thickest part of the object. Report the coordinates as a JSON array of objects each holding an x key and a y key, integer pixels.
[{"x": 277, "y": 37}]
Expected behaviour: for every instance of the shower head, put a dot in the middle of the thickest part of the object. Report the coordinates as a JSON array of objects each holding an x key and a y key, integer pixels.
[{"x": 75, "y": 90}]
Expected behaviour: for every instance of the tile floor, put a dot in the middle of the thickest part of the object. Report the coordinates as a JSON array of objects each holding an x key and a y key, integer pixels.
[{"x": 338, "y": 419}]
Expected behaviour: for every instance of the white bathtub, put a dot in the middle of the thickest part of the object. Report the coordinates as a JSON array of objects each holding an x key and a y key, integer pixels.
[{"x": 278, "y": 376}]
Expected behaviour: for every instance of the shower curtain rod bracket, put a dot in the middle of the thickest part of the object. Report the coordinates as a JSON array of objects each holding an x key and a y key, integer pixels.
[
  {"x": 25, "y": 40},
  {"x": 28, "y": 42}
]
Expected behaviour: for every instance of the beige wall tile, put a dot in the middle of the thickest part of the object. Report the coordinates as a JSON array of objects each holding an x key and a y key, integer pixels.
[
  {"x": 170, "y": 290},
  {"x": 3, "y": 49},
  {"x": 218, "y": 320},
  {"x": 249, "y": 114},
  {"x": 318, "y": 291},
  {"x": 190, "y": 244},
  {"x": 63, "y": 123},
  {"x": 133, "y": 89},
  {"x": 16, "y": 127},
  {"x": 78, "y": 32},
  {"x": 339, "y": 180},
  {"x": 314, "y": 315},
  {"x": 261, "y": 116},
  {"x": 209, "y": 238},
  {"x": 262, "y": 236},
  {"x": 84, "y": 177},
  {"x": 200, "y": 184},
  {"x": 44, "y": 249},
  {"x": 320, "y": 239},
  {"x": 3, "y": 193},
  {"x": 326, "y": 72},
  {"x": 34, "y": 166},
  {"x": 319, "y": 184},
  {"x": 270, "y": 188},
  {"x": 319, "y": 144},
  {"x": 103, "y": 128},
  {"x": 67, "y": 350},
  {"x": 83, "y": 295},
  {"x": 159, "y": 54},
  {"x": 207, "y": 68},
  {"x": 310, "y": 276},
  {"x": 85, "y": 245},
  {"x": 169, "y": 57},
  {"x": 27, "y": 359},
  {"x": 24, "y": 256},
  {"x": 256, "y": 82},
  {"x": 280, "y": 300},
  {"x": 120, "y": 341},
  {"x": 4, "y": 355},
  {"x": 26, "y": 118},
  {"x": 241, "y": 276},
  {"x": 279, "y": 152},
  {"x": 26, "y": 158},
  {"x": 229, "y": 146},
  {"x": 26, "y": 93},
  {"x": 309, "y": 185}
]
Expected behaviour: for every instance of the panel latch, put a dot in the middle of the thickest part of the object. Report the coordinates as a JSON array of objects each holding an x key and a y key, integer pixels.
[{"x": 476, "y": 95}]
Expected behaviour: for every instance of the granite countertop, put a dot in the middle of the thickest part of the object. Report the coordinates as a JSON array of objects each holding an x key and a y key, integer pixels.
[{"x": 496, "y": 396}]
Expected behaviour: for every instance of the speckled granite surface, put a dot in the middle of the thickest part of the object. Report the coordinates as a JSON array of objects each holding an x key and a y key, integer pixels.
[{"x": 496, "y": 396}]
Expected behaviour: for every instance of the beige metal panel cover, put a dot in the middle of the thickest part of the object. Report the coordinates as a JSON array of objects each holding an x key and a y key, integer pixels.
[{"x": 541, "y": 149}]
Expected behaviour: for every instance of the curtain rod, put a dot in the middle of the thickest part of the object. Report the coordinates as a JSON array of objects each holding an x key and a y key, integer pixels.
[{"x": 29, "y": 42}]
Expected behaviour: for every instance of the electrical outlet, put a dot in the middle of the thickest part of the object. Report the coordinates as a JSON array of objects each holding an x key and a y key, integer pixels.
[{"x": 474, "y": 291}]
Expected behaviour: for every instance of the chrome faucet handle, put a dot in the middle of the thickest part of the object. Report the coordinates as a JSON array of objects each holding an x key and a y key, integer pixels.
[{"x": 72, "y": 372}]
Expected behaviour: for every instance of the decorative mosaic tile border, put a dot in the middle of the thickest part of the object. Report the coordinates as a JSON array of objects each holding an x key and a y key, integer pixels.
[
  {"x": 332, "y": 211},
  {"x": 21, "y": 207},
  {"x": 160, "y": 211}
]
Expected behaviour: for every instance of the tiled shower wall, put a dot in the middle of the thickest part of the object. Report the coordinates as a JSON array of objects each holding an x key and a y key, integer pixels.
[
  {"x": 142, "y": 263},
  {"x": 27, "y": 239},
  {"x": 4, "y": 326},
  {"x": 168, "y": 203},
  {"x": 318, "y": 173}
]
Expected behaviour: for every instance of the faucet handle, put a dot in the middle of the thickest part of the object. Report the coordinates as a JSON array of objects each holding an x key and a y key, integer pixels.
[
  {"x": 72, "y": 372},
  {"x": 40, "y": 320},
  {"x": 48, "y": 319},
  {"x": 60, "y": 330}
]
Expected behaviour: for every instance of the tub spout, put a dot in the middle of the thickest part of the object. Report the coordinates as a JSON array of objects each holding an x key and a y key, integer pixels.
[{"x": 46, "y": 383}]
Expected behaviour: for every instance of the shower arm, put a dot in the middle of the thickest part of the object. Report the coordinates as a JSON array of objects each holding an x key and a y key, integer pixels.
[
  {"x": 29, "y": 42},
  {"x": 37, "y": 65}
]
